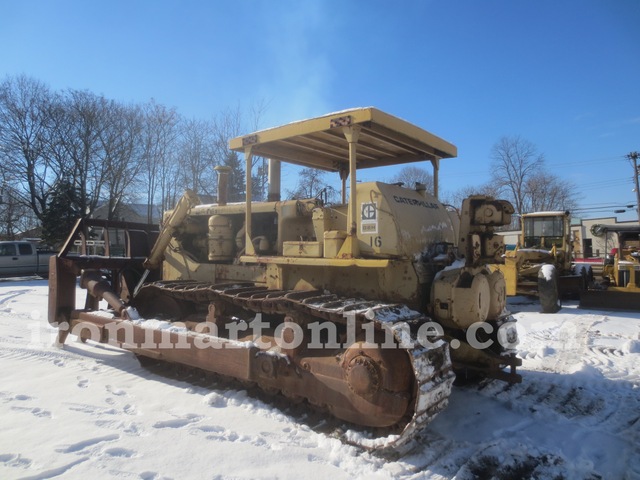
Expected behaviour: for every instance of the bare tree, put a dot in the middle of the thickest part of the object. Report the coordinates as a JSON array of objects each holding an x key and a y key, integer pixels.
[
  {"x": 24, "y": 130},
  {"x": 196, "y": 157},
  {"x": 514, "y": 161},
  {"x": 81, "y": 121},
  {"x": 547, "y": 192},
  {"x": 12, "y": 213},
  {"x": 455, "y": 199},
  {"x": 121, "y": 154},
  {"x": 159, "y": 143},
  {"x": 519, "y": 174},
  {"x": 231, "y": 123},
  {"x": 225, "y": 126},
  {"x": 312, "y": 184},
  {"x": 410, "y": 175},
  {"x": 103, "y": 151},
  {"x": 260, "y": 177}
]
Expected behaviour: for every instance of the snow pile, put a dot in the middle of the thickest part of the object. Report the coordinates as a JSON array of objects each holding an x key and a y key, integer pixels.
[
  {"x": 547, "y": 271},
  {"x": 91, "y": 411}
]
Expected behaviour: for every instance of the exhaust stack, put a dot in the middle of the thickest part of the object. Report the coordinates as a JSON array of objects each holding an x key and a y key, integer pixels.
[
  {"x": 274, "y": 181},
  {"x": 223, "y": 183}
]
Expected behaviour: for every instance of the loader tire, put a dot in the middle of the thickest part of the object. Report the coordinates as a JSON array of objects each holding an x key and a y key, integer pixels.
[{"x": 548, "y": 289}]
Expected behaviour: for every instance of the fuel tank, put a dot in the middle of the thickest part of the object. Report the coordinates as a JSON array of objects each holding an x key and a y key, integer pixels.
[{"x": 399, "y": 222}]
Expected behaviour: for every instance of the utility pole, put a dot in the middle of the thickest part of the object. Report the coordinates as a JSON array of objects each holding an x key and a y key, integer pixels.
[{"x": 633, "y": 158}]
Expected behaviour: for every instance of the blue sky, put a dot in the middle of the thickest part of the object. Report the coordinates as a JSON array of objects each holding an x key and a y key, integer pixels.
[{"x": 564, "y": 75}]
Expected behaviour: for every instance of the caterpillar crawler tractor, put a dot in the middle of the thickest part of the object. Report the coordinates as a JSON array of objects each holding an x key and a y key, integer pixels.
[{"x": 353, "y": 308}]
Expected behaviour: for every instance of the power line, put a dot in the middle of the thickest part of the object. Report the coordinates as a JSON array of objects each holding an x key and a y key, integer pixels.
[
  {"x": 588, "y": 162},
  {"x": 633, "y": 157},
  {"x": 599, "y": 204},
  {"x": 563, "y": 164},
  {"x": 607, "y": 183},
  {"x": 603, "y": 208}
]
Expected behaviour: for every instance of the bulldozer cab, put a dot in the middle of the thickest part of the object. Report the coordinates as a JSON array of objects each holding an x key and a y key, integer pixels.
[
  {"x": 545, "y": 230},
  {"x": 549, "y": 231}
]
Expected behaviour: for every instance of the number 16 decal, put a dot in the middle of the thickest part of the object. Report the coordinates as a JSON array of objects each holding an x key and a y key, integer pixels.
[{"x": 375, "y": 241}]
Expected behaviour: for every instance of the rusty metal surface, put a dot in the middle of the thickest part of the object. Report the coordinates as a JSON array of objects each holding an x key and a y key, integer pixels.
[
  {"x": 83, "y": 225},
  {"x": 94, "y": 282},
  {"x": 62, "y": 291},
  {"x": 400, "y": 388},
  {"x": 66, "y": 266}
]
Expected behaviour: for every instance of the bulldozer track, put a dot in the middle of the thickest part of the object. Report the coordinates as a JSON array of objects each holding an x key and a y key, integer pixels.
[{"x": 431, "y": 364}]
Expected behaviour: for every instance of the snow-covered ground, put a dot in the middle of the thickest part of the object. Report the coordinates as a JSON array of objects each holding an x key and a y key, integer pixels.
[{"x": 91, "y": 411}]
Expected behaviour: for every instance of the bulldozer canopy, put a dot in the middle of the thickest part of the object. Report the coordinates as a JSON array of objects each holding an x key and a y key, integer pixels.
[{"x": 320, "y": 143}]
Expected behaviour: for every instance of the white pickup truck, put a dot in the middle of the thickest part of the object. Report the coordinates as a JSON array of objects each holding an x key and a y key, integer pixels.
[{"x": 23, "y": 258}]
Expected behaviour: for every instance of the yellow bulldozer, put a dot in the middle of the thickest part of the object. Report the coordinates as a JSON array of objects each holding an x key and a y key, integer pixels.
[{"x": 367, "y": 308}]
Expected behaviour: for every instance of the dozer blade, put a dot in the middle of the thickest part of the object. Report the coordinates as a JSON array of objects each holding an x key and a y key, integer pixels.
[{"x": 611, "y": 299}]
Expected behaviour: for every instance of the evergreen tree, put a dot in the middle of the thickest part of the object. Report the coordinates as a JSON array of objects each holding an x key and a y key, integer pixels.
[
  {"x": 259, "y": 180},
  {"x": 61, "y": 213},
  {"x": 237, "y": 185}
]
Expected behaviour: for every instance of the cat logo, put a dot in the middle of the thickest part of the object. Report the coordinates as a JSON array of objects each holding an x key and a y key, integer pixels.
[
  {"x": 369, "y": 211},
  {"x": 369, "y": 218}
]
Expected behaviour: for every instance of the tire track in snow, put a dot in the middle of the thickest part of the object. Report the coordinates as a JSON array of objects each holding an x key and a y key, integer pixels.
[
  {"x": 581, "y": 403},
  {"x": 90, "y": 359},
  {"x": 11, "y": 294},
  {"x": 574, "y": 336},
  {"x": 577, "y": 383},
  {"x": 37, "y": 353},
  {"x": 568, "y": 396}
]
